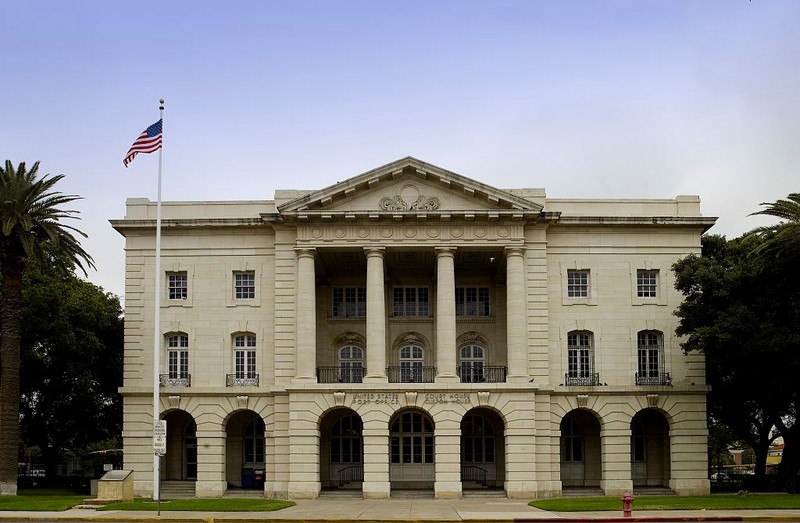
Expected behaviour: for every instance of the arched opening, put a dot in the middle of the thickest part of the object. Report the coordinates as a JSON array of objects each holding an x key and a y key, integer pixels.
[
  {"x": 245, "y": 465},
  {"x": 650, "y": 459},
  {"x": 482, "y": 450},
  {"x": 580, "y": 450},
  {"x": 341, "y": 450},
  {"x": 180, "y": 461},
  {"x": 411, "y": 452}
]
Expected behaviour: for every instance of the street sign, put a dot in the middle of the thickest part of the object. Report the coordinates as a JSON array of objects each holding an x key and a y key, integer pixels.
[{"x": 160, "y": 437}]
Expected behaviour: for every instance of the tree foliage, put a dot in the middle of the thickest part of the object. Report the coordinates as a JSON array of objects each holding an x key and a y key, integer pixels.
[
  {"x": 741, "y": 309},
  {"x": 32, "y": 227},
  {"x": 72, "y": 345}
]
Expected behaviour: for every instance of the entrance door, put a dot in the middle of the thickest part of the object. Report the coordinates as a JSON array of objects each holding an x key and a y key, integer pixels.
[{"x": 411, "y": 449}]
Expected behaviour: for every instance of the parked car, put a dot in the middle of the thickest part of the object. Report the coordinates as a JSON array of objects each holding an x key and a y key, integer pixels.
[{"x": 719, "y": 476}]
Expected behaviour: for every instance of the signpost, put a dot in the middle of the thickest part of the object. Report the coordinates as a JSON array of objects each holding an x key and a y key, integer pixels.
[{"x": 159, "y": 448}]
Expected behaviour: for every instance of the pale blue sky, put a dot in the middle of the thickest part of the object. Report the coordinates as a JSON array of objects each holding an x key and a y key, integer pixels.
[{"x": 612, "y": 99}]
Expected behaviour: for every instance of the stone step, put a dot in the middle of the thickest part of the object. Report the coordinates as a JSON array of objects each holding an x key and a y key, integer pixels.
[{"x": 412, "y": 494}]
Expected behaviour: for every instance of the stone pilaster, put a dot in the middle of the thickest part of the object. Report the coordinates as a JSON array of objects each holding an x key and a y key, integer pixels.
[
  {"x": 448, "y": 460},
  {"x": 376, "y": 316},
  {"x": 210, "y": 461},
  {"x": 615, "y": 448},
  {"x": 306, "y": 320},
  {"x": 375, "y": 435},
  {"x": 445, "y": 315}
]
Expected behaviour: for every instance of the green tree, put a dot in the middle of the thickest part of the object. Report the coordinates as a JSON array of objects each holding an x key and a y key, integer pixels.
[
  {"x": 782, "y": 240},
  {"x": 32, "y": 219},
  {"x": 72, "y": 344}
]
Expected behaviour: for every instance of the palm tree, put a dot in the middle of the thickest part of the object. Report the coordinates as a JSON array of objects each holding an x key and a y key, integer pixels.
[
  {"x": 783, "y": 239},
  {"x": 32, "y": 229}
]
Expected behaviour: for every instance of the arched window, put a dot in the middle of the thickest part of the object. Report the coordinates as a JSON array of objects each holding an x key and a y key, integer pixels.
[
  {"x": 650, "y": 350},
  {"x": 346, "y": 440},
  {"x": 477, "y": 440},
  {"x": 471, "y": 365},
  {"x": 411, "y": 438},
  {"x": 351, "y": 364},
  {"x": 571, "y": 440},
  {"x": 178, "y": 356},
  {"x": 253, "y": 442},
  {"x": 411, "y": 362},
  {"x": 580, "y": 358},
  {"x": 244, "y": 356}
]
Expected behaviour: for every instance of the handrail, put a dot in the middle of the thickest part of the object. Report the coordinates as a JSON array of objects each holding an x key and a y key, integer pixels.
[
  {"x": 350, "y": 474},
  {"x": 473, "y": 473}
]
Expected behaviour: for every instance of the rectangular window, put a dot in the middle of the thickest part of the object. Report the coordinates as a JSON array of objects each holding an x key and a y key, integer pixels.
[
  {"x": 178, "y": 356},
  {"x": 579, "y": 355},
  {"x": 578, "y": 284},
  {"x": 349, "y": 302},
  {"x": 244, "y": 285},
  {"x": 177, "y": 285},
  {"x": 472, "y": 301},
  {"x": 410, "y": 301},
  {"x": 245, "y": 356},
  {"x": 649, "y": 354},
  {"x": 646, "y": 283}
]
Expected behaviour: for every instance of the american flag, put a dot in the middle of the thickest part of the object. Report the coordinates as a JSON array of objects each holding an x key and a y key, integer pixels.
[{"x": 147, "y": 142}]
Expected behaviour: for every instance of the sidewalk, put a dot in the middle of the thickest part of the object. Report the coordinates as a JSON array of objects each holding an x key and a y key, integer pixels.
[{"x": 440, "y": 511}]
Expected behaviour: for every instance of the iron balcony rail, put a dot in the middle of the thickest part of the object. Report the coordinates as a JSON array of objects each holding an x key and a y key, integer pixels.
[
  {"x": 350, "y": 474},
  {"x": 241, "y": 380},
  {"x": 173, "y": 380},
  {"x": 590, "y": 380},
  {"x": 411, "y": 374},
  {"x": 661, "y": 378},
  {"x": 482, "y": 374},
  {"x": 340, "y": 374}
]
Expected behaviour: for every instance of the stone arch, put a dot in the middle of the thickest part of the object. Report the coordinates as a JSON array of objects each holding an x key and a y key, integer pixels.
[
  {"x": 650, "y": 448},
  {"x": 245, "y": 449},
  {"x": 483, "y": 448},
  {"x": 411, "y": 449},
  {"x": 580, "y": 453},
  {"x": 341, "y": 449},
  {"x": 180, "y": 461}
]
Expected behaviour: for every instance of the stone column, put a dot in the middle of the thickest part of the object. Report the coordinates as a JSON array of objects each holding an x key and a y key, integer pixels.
[
  {"x": 447, "y": 439},
  {"x": 304, "y": 482},
  {"x": 445, "y": 315},
  {"x": 211, "y": 445},
  {"x": 615, "y": 448},
  {"x": 306, "y": 317},
  {"x": 376, "y": 316},
  {"x": 516, "y": 315},
  {"x": 375, "y": 435}
]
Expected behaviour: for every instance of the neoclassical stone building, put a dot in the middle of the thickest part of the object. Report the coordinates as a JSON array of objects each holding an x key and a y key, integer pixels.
[{"x": 412, "y": 328}]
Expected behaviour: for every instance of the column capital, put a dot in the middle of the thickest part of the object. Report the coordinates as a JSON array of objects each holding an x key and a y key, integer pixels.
[
  {"x": 514, "y": 250},
  {"x": 304, "y": 252},
  {"x": 444, "y": 251},
  {"x": 375, "y": 251}
]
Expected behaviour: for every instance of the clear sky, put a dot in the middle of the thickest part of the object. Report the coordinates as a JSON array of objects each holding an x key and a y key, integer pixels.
[{"x": 610, "y": 99}]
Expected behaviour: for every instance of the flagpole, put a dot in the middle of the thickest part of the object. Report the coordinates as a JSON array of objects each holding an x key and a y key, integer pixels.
[{"x": 157, "y": 326}]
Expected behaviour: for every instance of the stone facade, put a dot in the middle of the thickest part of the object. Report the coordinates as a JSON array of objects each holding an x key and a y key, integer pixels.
[{"x": 413, "y": 328}]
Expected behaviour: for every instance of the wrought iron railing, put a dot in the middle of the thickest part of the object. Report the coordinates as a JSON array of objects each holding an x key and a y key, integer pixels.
[
  {"x": 350, "y": 474},
  {"x": 494, "y": 374},
  {"x": 661, "y": 378},
  {"x": 340, "y": 374},
  {"x": 241, "y": 380},
  {"x": 411, "y": 374},
  {"x": 590, "y": 380},
  {"x": 175, "y": 380},
  {"x": 473, "y": 473}
]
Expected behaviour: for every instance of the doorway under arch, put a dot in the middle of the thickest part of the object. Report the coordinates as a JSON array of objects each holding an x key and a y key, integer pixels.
[
  {"x": 581, "y": 464},
  {"x": 341, "y": 450},
  {"x": 180, "y": 461},
  {"x": 650, "y": 456},
  {"x": 482, "y": 449},
  {"x": 411, "y": 450},
  {"x": 245, "y": 447}
]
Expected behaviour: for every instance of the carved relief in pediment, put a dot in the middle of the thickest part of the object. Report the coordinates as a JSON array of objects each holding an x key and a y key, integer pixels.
[{"x": 409, "y": 193}]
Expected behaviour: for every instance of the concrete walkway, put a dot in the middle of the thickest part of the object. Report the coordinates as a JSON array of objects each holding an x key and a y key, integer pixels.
[{"x": 439, "y": 511}]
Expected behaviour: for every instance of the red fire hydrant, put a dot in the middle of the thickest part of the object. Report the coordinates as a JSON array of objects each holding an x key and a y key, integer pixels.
[{"x": 627, "y": 504}]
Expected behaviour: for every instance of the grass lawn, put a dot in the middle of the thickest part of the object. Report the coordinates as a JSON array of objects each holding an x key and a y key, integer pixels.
[
  {"x": 204, "y": 505},
  {"x": 41, "y": 499},
  {"x": 717, "y": 501}
]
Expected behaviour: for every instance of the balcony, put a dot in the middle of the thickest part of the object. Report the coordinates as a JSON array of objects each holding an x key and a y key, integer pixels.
[
  {"x": 480, "y": 374},
  {"x": 590, "y": 380},
  {"x": 241, "y": 380},
  {"x": 340, "y": 374},
  {"x": 175, "y": 380},
  {"x": 653, "y": 378},
  {"x": 411, "y": 374}
]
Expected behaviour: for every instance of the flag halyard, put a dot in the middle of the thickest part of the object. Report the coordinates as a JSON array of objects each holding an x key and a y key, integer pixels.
[{"x": 147, "y": 142}]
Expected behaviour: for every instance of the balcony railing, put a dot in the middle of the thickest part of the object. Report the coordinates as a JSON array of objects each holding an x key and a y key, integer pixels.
[
  {"x": 411, "y": 374},
  {"x": 172, "y": 380},
  {"x": 340, "y": 374},
  {"x": 591, "y": 380},
  {"x": 482, "y": 374},
  {"x": 662, "y": 378},
  {"x": 241, "y": 380}
]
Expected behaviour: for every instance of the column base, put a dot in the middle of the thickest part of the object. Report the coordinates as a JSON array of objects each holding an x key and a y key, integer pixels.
[
  {"x": 617, "y": 487},
  {"x": 377, "y": 490},
  {"x": 447, "y": 378},
  {"x": 447, "y": 490},
  {"x": 304, "y": 489},
  {"x": 375, "y": 378},
  {"x": 210, "y": 489}
]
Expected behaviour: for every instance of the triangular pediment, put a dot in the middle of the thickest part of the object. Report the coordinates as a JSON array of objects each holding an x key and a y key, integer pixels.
[{"x": 409, "y": 188}]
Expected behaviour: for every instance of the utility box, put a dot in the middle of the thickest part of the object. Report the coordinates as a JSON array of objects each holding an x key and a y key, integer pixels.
[{"x": 116, "y": 485}]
